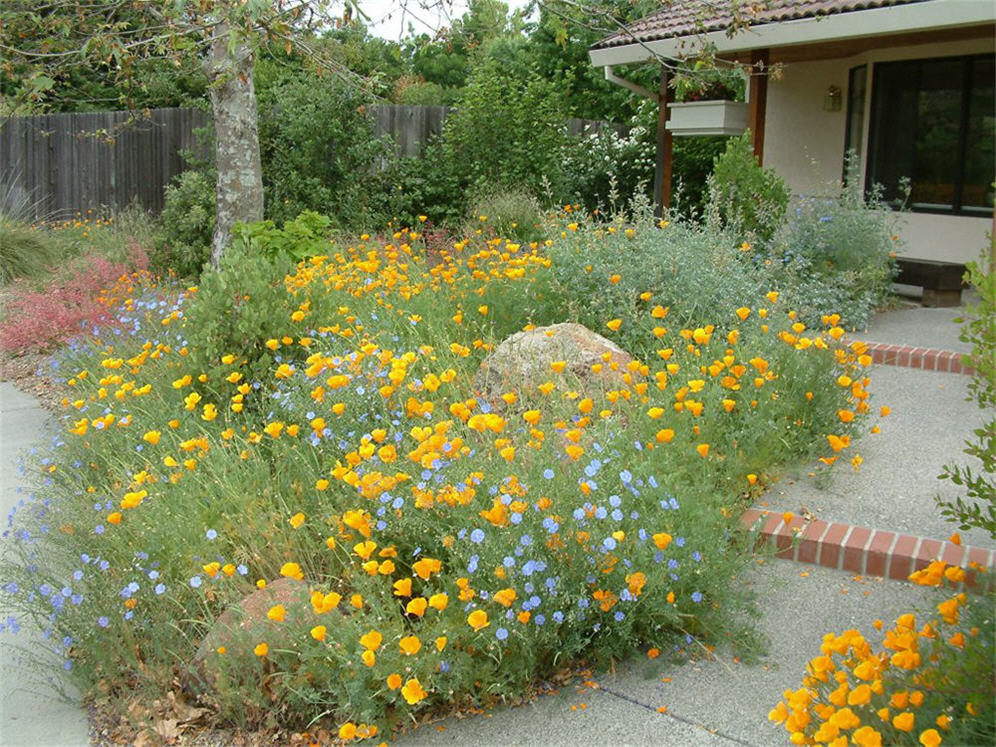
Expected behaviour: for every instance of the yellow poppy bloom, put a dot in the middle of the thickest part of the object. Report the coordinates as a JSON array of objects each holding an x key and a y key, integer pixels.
[
  {"x": 416, "y": 606},
  {"x": 292, "y": 570},
  {"x": 277, "y": 613},
  {"x": 478, "y": 619},
  {"x": 413, "y": 692},
  {"x": 410, "y": 645},
  {"x": 904, "y": 721},
  {"x": 371, "y": 640},
  {"x": 439, "y": 601}
]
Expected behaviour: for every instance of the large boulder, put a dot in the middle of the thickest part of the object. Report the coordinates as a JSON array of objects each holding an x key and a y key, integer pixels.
[{"x": 522, "y": 362}]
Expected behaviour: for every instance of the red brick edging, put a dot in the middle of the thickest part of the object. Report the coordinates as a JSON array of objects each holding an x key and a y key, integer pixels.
[
  {"x": 927, "y": 359},
  {"x": 871, "y": 552}
]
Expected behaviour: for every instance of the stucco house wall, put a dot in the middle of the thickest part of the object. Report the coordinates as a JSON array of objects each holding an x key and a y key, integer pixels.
[{"x": 805, "y": 144}]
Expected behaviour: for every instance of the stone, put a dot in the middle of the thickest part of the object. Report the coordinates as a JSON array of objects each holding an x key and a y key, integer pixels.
[
  {"x": 522, "y": 362},
  {"x": 245, "y": 623}
]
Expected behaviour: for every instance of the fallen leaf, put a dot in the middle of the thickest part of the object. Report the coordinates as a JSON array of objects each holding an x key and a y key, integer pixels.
[{"x": 184, "y": 712}]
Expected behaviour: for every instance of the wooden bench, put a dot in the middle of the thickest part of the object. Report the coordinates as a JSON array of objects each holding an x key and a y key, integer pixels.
[{"x": 941, "y": 281}]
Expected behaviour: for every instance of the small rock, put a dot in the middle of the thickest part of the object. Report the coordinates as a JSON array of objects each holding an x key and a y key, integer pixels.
[
  {"x": 245, "y": 623},
  {"x": 249, "y": 615}
]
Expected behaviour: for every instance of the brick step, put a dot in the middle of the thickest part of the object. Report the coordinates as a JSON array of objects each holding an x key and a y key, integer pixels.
[
  {"x": 857, "y": 549},
  {"x": 926, "y": 359}
]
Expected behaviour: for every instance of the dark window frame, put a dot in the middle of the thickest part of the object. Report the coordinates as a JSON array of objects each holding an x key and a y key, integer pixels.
[
  {"x": 855, "y": 140},
  {"x": 967, "y": 60}
]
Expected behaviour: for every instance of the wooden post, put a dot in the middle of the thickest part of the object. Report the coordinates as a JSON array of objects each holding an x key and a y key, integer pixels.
[
  {"x": 758, "y": 96},
  {"x": 665, "y": 142}
]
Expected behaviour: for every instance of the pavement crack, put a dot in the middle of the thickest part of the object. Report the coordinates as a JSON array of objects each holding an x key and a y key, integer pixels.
[{"x": 675, "y": 716}]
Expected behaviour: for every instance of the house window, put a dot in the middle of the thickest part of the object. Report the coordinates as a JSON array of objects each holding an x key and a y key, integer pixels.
[{"x": 932, "y": 122}]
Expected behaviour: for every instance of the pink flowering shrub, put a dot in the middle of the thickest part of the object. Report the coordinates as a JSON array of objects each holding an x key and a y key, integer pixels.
[{"x": 76, "y": 299}]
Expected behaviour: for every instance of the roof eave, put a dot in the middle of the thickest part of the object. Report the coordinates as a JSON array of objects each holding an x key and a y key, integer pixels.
[{"x": 925, "y": 16}]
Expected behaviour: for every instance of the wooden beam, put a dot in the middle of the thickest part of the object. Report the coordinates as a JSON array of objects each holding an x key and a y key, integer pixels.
[
  {"x": 665, "y": 147},
  {"x": 758, "y": 99}
]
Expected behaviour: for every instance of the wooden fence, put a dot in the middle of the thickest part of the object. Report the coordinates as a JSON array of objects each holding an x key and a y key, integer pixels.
[
  {"x": 413, "y": 126},
  {"x": 68, "y": 163},
  {"x": 64, "y": 163}
]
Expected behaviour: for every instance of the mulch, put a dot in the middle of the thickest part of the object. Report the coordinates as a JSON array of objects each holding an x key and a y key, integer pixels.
[{"x": 32, "y": 373}]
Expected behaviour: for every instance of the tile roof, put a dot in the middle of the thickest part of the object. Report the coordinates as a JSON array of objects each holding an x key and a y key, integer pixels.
[{"x": 689, "y": 17}]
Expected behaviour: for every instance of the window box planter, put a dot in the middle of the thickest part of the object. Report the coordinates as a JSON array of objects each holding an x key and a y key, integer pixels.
[{"x": 708, "y": 118}]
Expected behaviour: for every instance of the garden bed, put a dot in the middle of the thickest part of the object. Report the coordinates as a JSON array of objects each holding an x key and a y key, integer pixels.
[{"x": 317, "y": 425}]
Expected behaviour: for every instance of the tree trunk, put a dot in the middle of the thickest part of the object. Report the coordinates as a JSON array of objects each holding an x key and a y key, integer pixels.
[{"x": 233, "y": 102}]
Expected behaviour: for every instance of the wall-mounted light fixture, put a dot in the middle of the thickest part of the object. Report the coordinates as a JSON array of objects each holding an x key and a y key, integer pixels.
[{"x": 832, "y": 99}]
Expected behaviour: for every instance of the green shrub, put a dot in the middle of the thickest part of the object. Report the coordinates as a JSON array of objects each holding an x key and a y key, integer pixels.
[
  {"x": 978, "y": 507},
  {"x": 425, "y": 185},
  {"x": 696, "y": 271},
  {"x": 745, "y": 198},
  {"x": 693, "y": 162},
  {"x": 505, "y": 130},
  {"x": 305, "y": 236},
  {"x": 592, "y": 162},
  {"x": 186, "y": 226},
  {"x": 597, "y": 167},
  {"x": 414, "y": 91},
  {"x": 238, "y": 308},
  {"x": 837, "y": 251},
  {"x": 319, "y": 152}
]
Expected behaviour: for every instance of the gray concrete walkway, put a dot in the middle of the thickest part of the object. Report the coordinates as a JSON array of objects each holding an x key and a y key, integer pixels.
[
  {"x": 32, "y": 714},
  {"x": 919, "y": 326},
  {"x": 894, "y": 489}
]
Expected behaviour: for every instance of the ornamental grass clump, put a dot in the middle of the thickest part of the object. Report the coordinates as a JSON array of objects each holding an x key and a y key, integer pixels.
[
  {"x": 25, "y": 251},
  {"x": 930, "y": 684},
  {"x": 313, "y": 430}
]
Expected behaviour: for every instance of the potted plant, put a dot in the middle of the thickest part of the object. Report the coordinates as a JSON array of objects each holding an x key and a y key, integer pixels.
[{"x": 710, "y": 105}]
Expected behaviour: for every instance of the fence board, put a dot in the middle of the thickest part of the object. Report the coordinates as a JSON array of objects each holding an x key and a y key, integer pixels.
[
  {"x": 71, "y": 163},
  {"x": 411, "y": 126}
]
